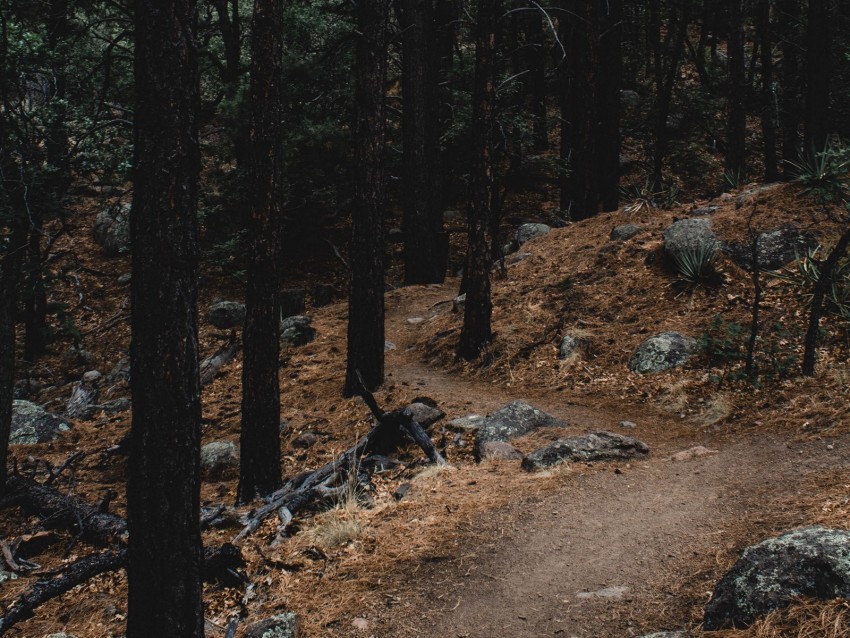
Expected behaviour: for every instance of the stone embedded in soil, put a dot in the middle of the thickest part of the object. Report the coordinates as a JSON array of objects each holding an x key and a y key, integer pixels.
[
  {"x": 296, "y": 331},
  {"x": 498, "y": 451},
  {"x": 218, "y": 458},
  {"x": 112, "y": 229},
  {"x": 693, "y": 453},
  {"x": 510, "y": 421},
  {"x": 32, "y": 424},
  {"x": 61, "y": 634},
  {"x": 625, "y": 232},
  {"x": 661, "y": 352},
  {"x": 810, "y": 561},
  {"x": 424, "y": 414},
  {"x": 690, "y": 236},
  {"x": 598, "y": 446},
  {"x": 529, "y": 231},
  {"x": 571, "y": 345},
  {"x": 227, "y": 315},
  {"x": 468, "y": 423},
  {"x": 305, "y": 440},
  {"x": 774, "y": 248},
  {"x": 615, "y": 591},
  {"x": 280, "y": 626},
  {"x": 706, "y": 210},
  {"x": 628, "y": 425}
]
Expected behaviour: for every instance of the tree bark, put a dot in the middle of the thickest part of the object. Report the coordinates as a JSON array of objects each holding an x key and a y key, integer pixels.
[
  {"x": 610, "y": 72},
  {"x": 259, "y": 439},
  {"x": 478, "y": 309},
  {"x": 366, "y": 297},
  {"x": 536, "y": 83},
  {"x": 422, "y": 221},
  {"x": 163, "y": 495},
  {"x": 819, "y": 72},
  {"x": 788, "y": 17},
  {"x": 768, "y": 113},
  {"x": 736, "y": 123}
]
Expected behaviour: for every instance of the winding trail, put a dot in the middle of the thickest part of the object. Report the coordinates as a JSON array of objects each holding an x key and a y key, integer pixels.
[{"x": 595, "y": 557}]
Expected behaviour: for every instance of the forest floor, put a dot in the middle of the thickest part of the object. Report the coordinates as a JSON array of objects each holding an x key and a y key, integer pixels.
[{"x": 602, "y": 549}]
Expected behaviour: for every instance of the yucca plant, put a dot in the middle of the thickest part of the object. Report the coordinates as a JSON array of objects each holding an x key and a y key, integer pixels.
[
  {"x": 824, "y": 175},
  {"x": 697, "y": 266}
]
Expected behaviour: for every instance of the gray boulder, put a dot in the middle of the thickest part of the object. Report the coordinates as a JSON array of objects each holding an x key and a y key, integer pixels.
[
  {"x": 810, "y": 561},
  {"x": 625, "y": 232},
  {"x": 425, "y": 412},
  {"x": 279, "y": 626},
  {"x": 529, "y": 231},
  {"x": 112, "y": 229},
  {"x": 689, "y": 236},
  {"x": 599, "y": 446},
  {"x": 113, "y": 406},
  {"x": 774, "y": 248},
  {"x": 661, "y": 352},
  {"x": 218, "y": 458},
  {"x": 296, "y": 331},
  {"x": 571, "y": 345},
  {"x": 226, "y": 315},
  {"x": 498, "y": 450},
  {"x": 32, "y": 424},
  {"x": 510, "y": 421}
]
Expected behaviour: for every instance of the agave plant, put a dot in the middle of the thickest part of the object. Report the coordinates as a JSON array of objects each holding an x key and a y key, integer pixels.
[
  {"x": 696, "y": 265},
  {"x": 824, "y": 175}
]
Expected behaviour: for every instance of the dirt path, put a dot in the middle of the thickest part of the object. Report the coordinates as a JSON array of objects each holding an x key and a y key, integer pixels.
[{"x": 598, "y": 556}]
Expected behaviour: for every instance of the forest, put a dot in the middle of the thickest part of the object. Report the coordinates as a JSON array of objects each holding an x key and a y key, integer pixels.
[{"x": 319, "y": 316}]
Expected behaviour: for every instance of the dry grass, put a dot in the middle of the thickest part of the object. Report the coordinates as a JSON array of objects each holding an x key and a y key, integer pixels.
[{"x": 804, "y": 619}]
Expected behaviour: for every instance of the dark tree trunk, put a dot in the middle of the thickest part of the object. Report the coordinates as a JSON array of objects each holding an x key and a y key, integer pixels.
[
  {"x": 259, "y": 439},
  {"x": 768, "y": 94},
  {"x": 163, "y": 494},
  {"x": 819, "y": 71},
  {"x": 229, "y": 26},
  {"x": 478, "y": 309},
  {"x": 422, "y": 221},
  {"x": 35, "y": 294},
  {"x": 610, "y": 72},
  {"x": 736, "y": 124},
  {"x": 579, "y": 113},
  {"x": 9, "y": 277},
  {"x": 536, "y": 83},
  {"x": 789, "y": 22},
  {"x": 366, "y": 297}
]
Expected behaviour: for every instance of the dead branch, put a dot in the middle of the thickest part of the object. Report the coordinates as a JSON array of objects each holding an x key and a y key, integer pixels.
[{"x": 212, "y": 364}]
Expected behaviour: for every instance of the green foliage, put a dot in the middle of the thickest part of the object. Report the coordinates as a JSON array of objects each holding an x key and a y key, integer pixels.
[
  {"x": 697, "y": 266},
  {"x": 734, "y": 180},
  {"x": 824, "y": 175},
  {"x": 805, "y": 272},
  {"x": 645, "y": 196}
]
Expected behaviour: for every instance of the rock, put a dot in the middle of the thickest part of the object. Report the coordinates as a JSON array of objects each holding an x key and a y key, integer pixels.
[
  {"x": 121, "y": 372},
  {"x": 415, "y": 320},
  {"x": 529, "y": 231},
  {"x": 689, "y": 236},
  {"x": 599, "y": 446},
  {"x": 425, "y": 414},
  {"x": 629, "y": 99},
  {"x": 810, "y": 561},
  {"x": 518, "y": 257},
  {"x": 61, "y": 634},
  {"x": 114, "y": 406},
  {"x": 293, "y": 301},
  {"x": 305, "y": 440},
  {"x": 32, "y": 424},
  {"x": 625, "y": 232},
  {"x": 84, "y": 394},
  {"x": 401, "y": 491},
  {"x": 692, "y": 453},
  {"x": 26, "y": 388},
  {"x": 4, "y": 576},
  {"x": 705, "y": 210},
  {"x": 469, "y": 423},
  {"x": 498, "y": 451},
  {"x": 615, "y": 591},
  {"x": 361, "y": 624},
  {"x": 661, "y": 352},
  {"x": 458, "y": 303},
  {"x": 112, "y": 229},
  {"x": 628, "y": 425},
  {"x": 570, "y": 346},
  {"x": 218, "y": 458},
  {"x": 125, "y": 279},
  {"x": 227, "y": 315},
  {"x": 296, "y": 331},
  {"x": 280, "y": 626},
  {"x": 666, "y": 634},
  {"x": 510, "y": 421},
  {"x": 323, "y": 294},
  {"x": 389, "y": 346},
  {"x": 774, "y": 248}
]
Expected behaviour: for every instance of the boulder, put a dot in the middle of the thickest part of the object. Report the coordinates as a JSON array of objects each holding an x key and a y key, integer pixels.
[
  {"x": 32, "y": 424},
  {"x": 296, "y": 331},
  {"x": 529, "y": 231},
  {"x": 279, "y": 626},
  {"x": 570, "y": 346},
  {"x": 689, "y": 236},
  {"x": 218, "y": 458},
  {"x": 510, "y": 421},
  {"x": 625, "y": 232},
  {"x": 425, "y": 412},
  {"x": 305, "y": 440},
  {"x": 810, "y": 561},
  {"x": 293, "y": 301},
  {"x": 599, "y": 446},
  {"x": 661, "y": 352},
  {"x": 112, "y": 229},
  {"x": 498, "y": 450},
  {"x": 227, "y": 315},
  {"x": 774, "y": 248}
]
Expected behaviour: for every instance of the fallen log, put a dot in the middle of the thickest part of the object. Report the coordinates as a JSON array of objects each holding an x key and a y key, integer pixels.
[{"x": 210, "y": 366}]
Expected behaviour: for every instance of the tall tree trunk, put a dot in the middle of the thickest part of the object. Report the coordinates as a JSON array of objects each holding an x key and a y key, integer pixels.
[
  {"x": 35, "y": 307},
  {"x": 422, "y": 221},
  {"x": 478, "y": 309},
  {"x": 259, "y": 439},
  {"x": 610, "y": 72},
  {"x": 789, "y": 18},
  {"x": 366, "y": 297},
  {"x": 819, "y": 71},
  {"x": 163, "y": 494},
  {"x": 536, "y": 83},
  {"x": 579, "y": 113},
  {"x": 9, "y": 277},
  {"x": 736, "y": 124},
  {"x": 768, "y": 94}
]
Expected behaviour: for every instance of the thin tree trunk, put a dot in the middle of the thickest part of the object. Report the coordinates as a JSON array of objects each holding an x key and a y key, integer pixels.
[
  {"x": 610, "y": 72},
  {"x": 537, "y": 54},
  {"x": 478, "y": 309},
  {"x": 366, "y": 298},
  {"x": 819, "y": 70},
  {"x": 259, "y": 439},
  {"x": 163, "y": 495},
  {"x": 736, "y": 124},
  {"x": 768, "y": 94},
  {"x": 789, "y": 19}
]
